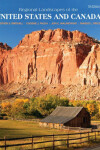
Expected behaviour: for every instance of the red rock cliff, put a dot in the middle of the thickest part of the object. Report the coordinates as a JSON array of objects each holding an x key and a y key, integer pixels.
[
  {"x": 52, "y": 56},
  {"x": 89, "y": 71}
]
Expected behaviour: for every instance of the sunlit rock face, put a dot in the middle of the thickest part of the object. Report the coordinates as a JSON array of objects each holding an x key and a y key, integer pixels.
[
  {"x": 51, "y": 57},
  {"x": 89, "y": 71}
]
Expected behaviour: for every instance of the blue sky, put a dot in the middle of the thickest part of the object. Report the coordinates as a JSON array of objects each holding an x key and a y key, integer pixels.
[{"x": 12, "y": 34}]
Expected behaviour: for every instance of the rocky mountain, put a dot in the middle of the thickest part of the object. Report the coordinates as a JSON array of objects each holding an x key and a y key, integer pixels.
[{"x": 54, "y": 58}]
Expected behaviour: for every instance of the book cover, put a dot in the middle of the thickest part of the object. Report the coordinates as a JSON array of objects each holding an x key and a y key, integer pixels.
[{"x": 49, "y": 70}]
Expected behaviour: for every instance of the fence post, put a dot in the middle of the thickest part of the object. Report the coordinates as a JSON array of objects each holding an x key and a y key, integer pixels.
[
  {"x": 32, "y": 142},
  {"x": 98, "y": 132},
  {"x": 5, "y": 142},
  {"x": 68, "y": 135},
  {"x": 67, "y": 143},
  {"x": 80, "y": 138},
  {"x": 95, "y": 135},
  {"x": 53, "y": 142},
  {"x": 88, "y": 136}
]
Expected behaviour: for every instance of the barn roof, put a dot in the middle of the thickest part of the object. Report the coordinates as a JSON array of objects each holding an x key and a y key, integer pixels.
[{"x": 62, "y": 114}]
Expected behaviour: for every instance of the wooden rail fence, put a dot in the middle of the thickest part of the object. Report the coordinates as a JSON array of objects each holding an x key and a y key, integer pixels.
[{"x": 65, "y": 139}]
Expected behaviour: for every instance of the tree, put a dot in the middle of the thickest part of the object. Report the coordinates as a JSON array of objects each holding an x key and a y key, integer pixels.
[
  {"x": 19, "y": 108},
  {"x": 6, "y": 108},
  {"x": 46, "y": 104},
  {"x": 91, "y": 108}
]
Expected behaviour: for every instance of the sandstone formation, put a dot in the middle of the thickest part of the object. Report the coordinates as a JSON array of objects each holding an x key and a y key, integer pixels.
[
  {"x": 89, "y": 71},
  {"x": 52, "y": 57},
  {"x": 4, "y": 51}
]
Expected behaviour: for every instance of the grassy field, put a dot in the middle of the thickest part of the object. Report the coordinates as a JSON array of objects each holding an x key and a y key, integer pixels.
[{"x": 12, "y": 128}]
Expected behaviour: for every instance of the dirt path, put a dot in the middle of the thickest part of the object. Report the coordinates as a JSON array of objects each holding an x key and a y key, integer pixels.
[
  {"x": 98, "y": 148},
  {"x": 95, "y": 148}
]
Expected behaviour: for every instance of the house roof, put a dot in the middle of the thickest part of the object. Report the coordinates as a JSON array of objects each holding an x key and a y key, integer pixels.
[{"x": 62, "y": 114}]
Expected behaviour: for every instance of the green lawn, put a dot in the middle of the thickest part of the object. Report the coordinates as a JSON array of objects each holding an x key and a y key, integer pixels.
[{"x": 12, "y": 128}]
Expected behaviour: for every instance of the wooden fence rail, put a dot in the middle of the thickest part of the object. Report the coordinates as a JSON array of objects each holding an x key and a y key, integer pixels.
[{"x": 67, "y": 138}]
